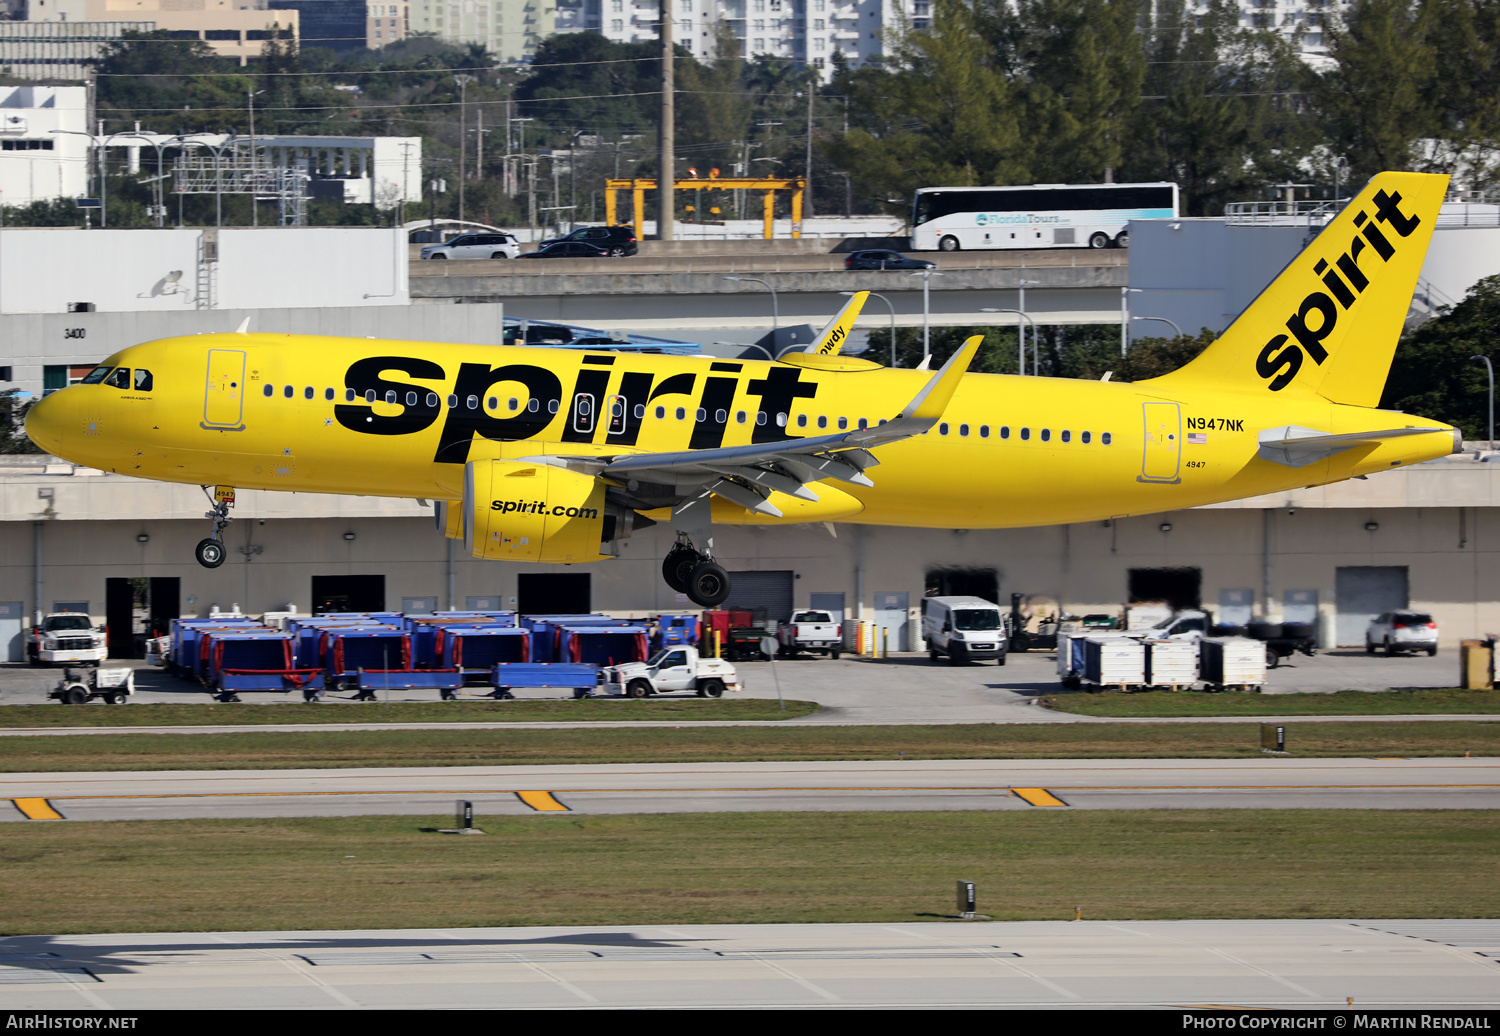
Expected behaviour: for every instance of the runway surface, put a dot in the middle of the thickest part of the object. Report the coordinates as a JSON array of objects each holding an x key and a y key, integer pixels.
[
  {"x": 1088, "y": 964},
  {"x": 1261, "y": 783}
]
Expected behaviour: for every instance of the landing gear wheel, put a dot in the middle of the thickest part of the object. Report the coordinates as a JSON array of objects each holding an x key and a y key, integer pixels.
[
  {"x": 210, "y": 553},
  {"x": 708, "y": 586},
  {"x": 711, "y": 688},
  {"x": 638, "y": 689},
  {"x": 677, "y": 567}
]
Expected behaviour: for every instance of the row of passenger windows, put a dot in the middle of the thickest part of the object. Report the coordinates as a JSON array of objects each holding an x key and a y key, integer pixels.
[
  {"x": 1044, "y": 434},
  {"x": 583, "y": 408}
]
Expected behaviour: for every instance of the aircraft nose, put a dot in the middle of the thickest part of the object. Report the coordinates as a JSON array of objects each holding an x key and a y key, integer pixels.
[{"x": 46, "y": 422}]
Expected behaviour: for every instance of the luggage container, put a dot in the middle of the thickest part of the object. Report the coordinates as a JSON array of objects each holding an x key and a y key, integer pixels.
[
  {"x": 1232, "y": 663},
  {"x": 580, "y": 677},
  {"x": 428, "y": 632},
  {"x": 1113, "y": 662},
  {"x": 602, "y": 645},
  {"x": 240, "y": 662},
  {"x": 1071, "y": 655},
  {"x": 546, "y": 632},
  {"x": 182, "y": 654},
  {"x": 1171, "y": 663},
  {"x": 475, "y": 651},
  {"x": 676, "y": 631},
  {"x": 373, "y": 658}
]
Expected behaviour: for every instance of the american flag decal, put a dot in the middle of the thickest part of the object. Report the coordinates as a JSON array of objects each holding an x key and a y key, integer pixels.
[{"x": 1197, "y": 439}]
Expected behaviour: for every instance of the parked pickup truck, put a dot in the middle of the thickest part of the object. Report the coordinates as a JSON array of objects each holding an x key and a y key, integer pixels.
[
  {"x": 812, "y": 631},
  {"x": 66, "y": 638},
  {"x": 672, "y": 669}
]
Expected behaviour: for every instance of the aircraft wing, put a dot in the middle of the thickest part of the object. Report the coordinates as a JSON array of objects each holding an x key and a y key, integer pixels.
[
  {"x": 1297, "y": 447},
  {"x": 747, "y": 475}
]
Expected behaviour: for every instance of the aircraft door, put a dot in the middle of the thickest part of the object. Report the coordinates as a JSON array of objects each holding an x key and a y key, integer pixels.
[
  {"x": 224, "y": 394},
  {"x": 1163, "y": 443},
  {"x": 583, "y": 413}
]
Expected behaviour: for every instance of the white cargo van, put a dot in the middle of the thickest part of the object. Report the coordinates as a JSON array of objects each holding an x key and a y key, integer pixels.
[{"x": 964, "y": 628}]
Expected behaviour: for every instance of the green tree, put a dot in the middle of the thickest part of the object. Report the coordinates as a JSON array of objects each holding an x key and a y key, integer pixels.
[
  {"x": 13, "y": 408},
  {"x": 1432, "y": 375}
]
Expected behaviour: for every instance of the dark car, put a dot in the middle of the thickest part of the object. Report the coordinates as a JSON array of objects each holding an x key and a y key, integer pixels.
[
  {"x": 567, "y": 250},
  {"x": 884, "y": 259},
  {"x": 614, "y": 240}
]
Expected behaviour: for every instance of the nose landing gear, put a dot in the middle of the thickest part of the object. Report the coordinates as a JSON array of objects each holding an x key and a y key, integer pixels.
[
  {"x": 691, "y": 572},
  {"x": 210, "y": 551}
]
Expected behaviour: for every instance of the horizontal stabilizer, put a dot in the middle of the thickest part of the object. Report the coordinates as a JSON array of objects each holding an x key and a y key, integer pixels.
[{"x": 1297, "y": 447}]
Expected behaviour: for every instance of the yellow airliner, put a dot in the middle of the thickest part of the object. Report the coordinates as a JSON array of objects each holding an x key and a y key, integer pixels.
[{"x": 549, "y": 455}]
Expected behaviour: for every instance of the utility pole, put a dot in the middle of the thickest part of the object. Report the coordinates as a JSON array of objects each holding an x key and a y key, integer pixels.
[
  {"x": 463, "y": 82},
  {"x": 807, "y": 191},
  {"x": 667, "y": 175}
]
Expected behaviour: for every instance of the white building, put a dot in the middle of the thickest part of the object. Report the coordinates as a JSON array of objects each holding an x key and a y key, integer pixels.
[
  {"x": 510, "y": 29},
  {"x": 44, "y": 147}
]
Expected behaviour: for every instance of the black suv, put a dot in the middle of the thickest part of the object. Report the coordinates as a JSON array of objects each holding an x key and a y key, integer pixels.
[{"x": 614, "y": 240}]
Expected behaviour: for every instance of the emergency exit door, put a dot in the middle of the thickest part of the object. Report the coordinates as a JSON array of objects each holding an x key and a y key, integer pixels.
[
  {"x": 224, "y": 392},
  {"x": 1163, "y": 450}
]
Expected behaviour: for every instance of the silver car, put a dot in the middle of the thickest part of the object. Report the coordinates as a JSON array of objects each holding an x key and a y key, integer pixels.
[
  {"x": 1402, "y": 631},
  {"x": 475, "y": 246}
]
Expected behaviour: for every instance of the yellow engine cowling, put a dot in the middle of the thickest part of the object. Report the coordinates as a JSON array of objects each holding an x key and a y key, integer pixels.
[{"x": 518, "y": 511}]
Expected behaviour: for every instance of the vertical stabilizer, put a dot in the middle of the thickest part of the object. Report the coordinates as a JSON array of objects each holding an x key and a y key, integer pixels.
[{"x": 1330, "y": 321}]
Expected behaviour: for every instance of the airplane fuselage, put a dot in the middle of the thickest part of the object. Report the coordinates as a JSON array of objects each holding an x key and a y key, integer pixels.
[{"x": 401, "y": 419}]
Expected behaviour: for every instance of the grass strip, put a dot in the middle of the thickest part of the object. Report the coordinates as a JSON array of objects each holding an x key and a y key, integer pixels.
[
  {"x": 243, "y": 714},
  {"x": 745, "y": 868},
  {"x": 384, "y": 747},
  {"x": 1417, "y": 702}
]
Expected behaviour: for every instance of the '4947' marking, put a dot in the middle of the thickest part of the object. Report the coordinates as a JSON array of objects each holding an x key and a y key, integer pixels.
[{"x": 1222, "y": 424}]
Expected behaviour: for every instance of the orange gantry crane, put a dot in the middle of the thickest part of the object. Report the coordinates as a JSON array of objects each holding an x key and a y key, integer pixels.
[{"x": 769, "y": 186}]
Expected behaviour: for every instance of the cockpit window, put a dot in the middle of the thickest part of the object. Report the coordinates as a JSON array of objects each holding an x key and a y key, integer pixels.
[
  {"x": 96, "y": 375},
  {"x": 142, "y": 380},
  {"x": 120, "y": 379}
]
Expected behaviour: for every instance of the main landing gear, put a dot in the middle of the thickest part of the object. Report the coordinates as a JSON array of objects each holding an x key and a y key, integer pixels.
[
  {"x": 210, "y": 551},
  {"x": 690, "y": 572}
]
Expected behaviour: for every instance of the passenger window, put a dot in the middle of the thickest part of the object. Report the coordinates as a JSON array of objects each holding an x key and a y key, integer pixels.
[
  {"x": 682, "y": 413},
  {"x": 943, "y": 428},
  {"x": 701, "y": 415},
  {"x": 515, "y": 404},
  {"x": 822, "y": 421},
  {"x": 348, "y": 395},
  {"x": 984, "y": 431},
  {"x": 1084, "y": 438},
  {"x": 801, "y": 420},
  {"x": 640, "y": 411},
  {"x": 307, "y": 393},
  {"x": 1025, "y": 433},
  {"x": 1046, "y": 435},
  {"x": 288, "y": 391},
  {"x": 269, "y": 391},
  {"x": 1104, "y": 439},
  {"x": 472, "y": 402},
  {"x": 432, "y": 400},
  {"x": 452, "y": 402},
  {"x": 963, "y": 430},
  {"x": 533, "y": 405},
  {"x": 843, "y": 423},
  {"x": 617, "y": 412},
  {"x": 1005, "y": 431},
  {"x": 661, "y": 412},
  {"x": 120, "y": 379},
  {"x": 760, "y": 417},
  {"x": 553, "y": 406},
  {"x": 143, "y": 380},
  {"x": 721, "y": 416},
  {"x": 390, "y": 396},
  {"x": 369, "y": 395},
  {"x": 328, "y": 394},
  {"x": 1067, "y": 436},
  {"x": 740, "y": 416},
  {"x": 780, "y": 420}
]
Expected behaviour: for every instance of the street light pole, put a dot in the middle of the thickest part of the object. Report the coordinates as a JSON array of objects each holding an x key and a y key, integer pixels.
[
  {"x": 775, "y": 309},
  {"x": 926, "y": 276},
  {"x": 463, "y": 82},
  {"x": 1491, "y": 368},
  {"x": 1163, "y": 320},
  {"x": 1021, "y": 334}
]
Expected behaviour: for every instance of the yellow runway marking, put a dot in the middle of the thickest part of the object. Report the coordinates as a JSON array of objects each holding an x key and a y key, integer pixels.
[
  {"x": 541, "y": 801},
  {"x": 37, "y": 809},
  {"x": 1038, "y": 797}
]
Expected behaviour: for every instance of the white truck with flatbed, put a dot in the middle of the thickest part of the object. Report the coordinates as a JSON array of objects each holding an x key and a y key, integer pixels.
[
  {"x": 67, "y": 638},
  {"x": 679, "y": 668},
  {"x": 812, "y": 631}
]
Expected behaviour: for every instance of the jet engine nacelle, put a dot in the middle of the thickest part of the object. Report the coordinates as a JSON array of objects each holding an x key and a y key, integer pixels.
[{"x": 523, "y": 511}]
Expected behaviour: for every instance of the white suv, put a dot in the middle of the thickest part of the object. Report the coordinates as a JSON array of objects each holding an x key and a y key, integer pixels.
[
  {"x": 475, "y": 246},
  {"x": 1402, "y": 631}
]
